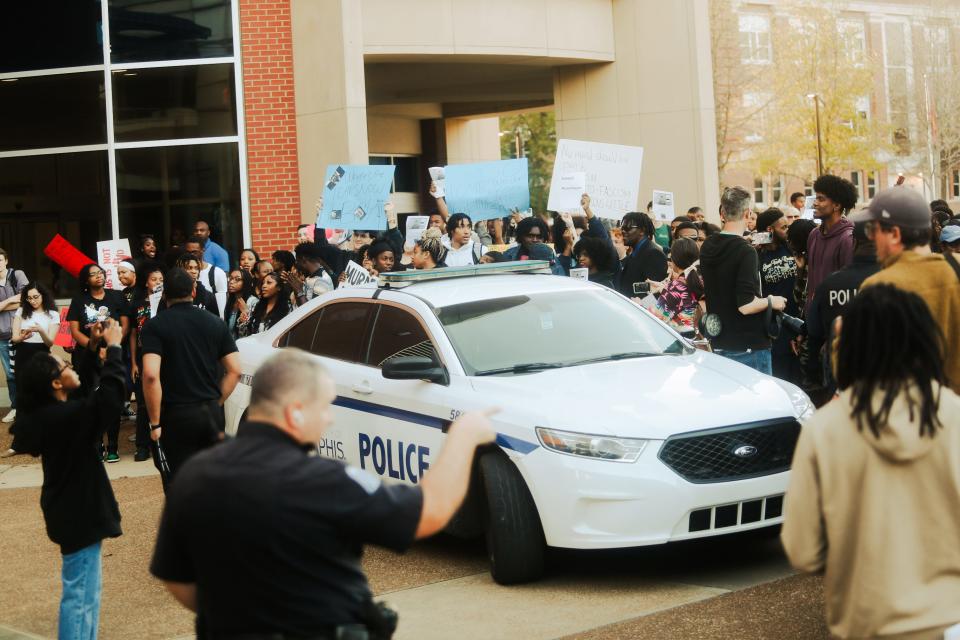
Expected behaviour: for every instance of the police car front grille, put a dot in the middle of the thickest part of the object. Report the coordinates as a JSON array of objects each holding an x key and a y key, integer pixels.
[{"x": 709, "y": 456}]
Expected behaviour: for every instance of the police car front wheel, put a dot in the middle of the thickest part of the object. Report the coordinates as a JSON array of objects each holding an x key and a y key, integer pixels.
[{"x": 515, "y": 542}]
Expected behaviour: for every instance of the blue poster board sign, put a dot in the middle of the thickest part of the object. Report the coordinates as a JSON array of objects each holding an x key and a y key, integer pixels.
[
  {"x": 354, "y": 196},
  {"x": 486, "y": 190}
]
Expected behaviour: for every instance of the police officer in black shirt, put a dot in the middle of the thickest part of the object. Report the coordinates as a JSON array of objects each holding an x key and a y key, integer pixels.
[
  {"x": 263, "y": 540},
  {"x": 184, "y": 349}
]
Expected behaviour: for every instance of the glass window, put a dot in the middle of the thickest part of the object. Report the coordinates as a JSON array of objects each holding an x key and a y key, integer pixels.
[
  {"x": 49, "y": 35},
  {"x": 341, "y": 331},
  {"x": 142, "y": 30},
  {"x": 759, "y": 193},
  {"x": 898, "y": 83},
  {"x": 301, "y": 335},
  {"x": 41, "y": 196},
  {"x": 853, "y": 39},
  {"x": 755, "y": 39},
  {"x": 956, "y": 184},
  {"x": 52, "y": 111},
  {"x": 871, "y": 184},
  {"x": 777, "y": 191},
  {"x": 549, "y": 328},
  {"x": 808, "y": 188},
  {"x": 164, "y": 190},
  {"x": 398, "y": 333},
  {"x": 855, "y": 179},
  {"x": 174, "y": 102},
  {"x": 406, "y": 177}
]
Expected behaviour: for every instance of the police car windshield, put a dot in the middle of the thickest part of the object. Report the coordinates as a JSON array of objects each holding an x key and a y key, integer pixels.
[{"x": 502, "y": 336}]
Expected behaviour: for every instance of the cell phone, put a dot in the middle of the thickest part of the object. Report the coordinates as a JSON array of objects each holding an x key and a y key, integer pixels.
[
  {"x": 762, "y": 238},
  {"x": 641, "y": 288}
]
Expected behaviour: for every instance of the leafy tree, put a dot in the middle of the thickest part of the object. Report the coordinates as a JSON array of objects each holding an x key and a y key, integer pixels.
[{"x": 534, "y": 136}]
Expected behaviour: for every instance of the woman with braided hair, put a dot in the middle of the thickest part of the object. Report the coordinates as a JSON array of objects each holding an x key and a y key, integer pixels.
[
  {"x": 429, "y": 252},
  {"x": 874, "y": 495}
]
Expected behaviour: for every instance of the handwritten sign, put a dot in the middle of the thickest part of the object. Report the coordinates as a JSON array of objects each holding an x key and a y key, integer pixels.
[
  {"x": 111, "y": 253},
  {"x": 580, "y": 273},
  {"x": 357, "y": 276},
  {"x": 64, "y": 337},
  {"x": 486, "y": 190},
  {"x": 663, "y": 205},
  {"x": 571, "y": 187},
  {"x": 437, "y": 176},
  {"x": 612, "y": 175},
  {"x": 354, "y": 196}
]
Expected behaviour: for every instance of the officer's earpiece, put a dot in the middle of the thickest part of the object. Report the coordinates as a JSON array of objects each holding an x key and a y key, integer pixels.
[{"x": 297, "y": 416}]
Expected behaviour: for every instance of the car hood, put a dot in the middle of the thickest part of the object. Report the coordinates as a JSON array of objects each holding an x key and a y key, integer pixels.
[{"x": 652, "y": 397}]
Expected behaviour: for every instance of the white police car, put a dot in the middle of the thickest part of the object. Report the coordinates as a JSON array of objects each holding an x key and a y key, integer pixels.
[{"x": 614, "y": 432}]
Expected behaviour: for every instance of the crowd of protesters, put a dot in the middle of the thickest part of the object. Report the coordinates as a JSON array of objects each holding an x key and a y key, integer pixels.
[{"x": 769, "y": 289}]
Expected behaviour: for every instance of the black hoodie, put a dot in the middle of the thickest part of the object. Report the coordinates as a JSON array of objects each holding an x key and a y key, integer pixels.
[
  {"x": 76, "y": 498},
  {"x": 731, "y": 279}
]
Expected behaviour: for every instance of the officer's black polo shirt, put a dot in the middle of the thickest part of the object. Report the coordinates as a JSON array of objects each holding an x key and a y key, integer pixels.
[
  {"x": 190, "y": 343},
  {"x": 273, "y": 537}
]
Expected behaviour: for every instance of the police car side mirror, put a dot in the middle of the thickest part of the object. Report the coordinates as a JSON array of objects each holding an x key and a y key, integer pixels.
[{"x": 415, "y": 368}]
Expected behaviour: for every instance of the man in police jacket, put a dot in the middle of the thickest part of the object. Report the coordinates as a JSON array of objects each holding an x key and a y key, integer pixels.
[{"x": 263, "y": 540}]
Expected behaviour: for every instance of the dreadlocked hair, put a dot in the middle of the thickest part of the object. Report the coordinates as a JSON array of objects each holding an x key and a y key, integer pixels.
[{"x": 890, "y": 342}]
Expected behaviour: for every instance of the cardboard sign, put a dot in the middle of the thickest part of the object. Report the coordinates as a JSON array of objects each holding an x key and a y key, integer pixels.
[
  {"x": 357, "y": 276},
  {"x": 807, "y": 212},
  {"x": 663, "y": 205},
  {"x": 581, "y": 273},
  {"x": 437, "y": 175},
  {"x": 416, "y": 225},
  {"x": 486, "y": 190},
  {"x": 64, "y": 337},
  {"x": 111, "y": 253},
  {"x": 354, "y": 196},
  {"x": 571, "y": 187},
  {"x": 612, "y": 175}
]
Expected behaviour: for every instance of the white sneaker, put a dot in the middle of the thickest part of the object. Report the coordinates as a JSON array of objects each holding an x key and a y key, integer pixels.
[{"x": 10, "y": 417}]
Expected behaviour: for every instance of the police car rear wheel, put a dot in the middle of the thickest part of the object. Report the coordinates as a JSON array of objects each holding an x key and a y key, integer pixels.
[{"x": 515, "y": 542}]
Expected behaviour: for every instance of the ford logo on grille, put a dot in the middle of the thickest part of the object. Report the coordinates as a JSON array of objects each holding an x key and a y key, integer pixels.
[{"x": 745, "y": 451}]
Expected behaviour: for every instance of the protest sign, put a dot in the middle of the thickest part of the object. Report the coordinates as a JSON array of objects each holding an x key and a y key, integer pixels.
[
  {"x": 111, "y": 253},
  {"x": 612, "y": 175},
  {"x": 663, "y": 205},
  {"x": 571, "y": 187},
  {"x": 357, "y": 276},
  {"x": 416, "y": 225},
  {"x": 354, "y": 196},
  {"x": 437, "y": 175},
  {"x": 808, "y": 207},
  {"x": 580, "y": 273},
  {"x": 64, "y": 337},
  {"x": 155, "y": 302},
  {"x": 486, "y": 190}
]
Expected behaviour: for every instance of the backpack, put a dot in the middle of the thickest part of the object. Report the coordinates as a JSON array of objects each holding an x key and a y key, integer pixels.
[
  {"x": 477, "y": 252},
  {"x": 210, "y": 277}
]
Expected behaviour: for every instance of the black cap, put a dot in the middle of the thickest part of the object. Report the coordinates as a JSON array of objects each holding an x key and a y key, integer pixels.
[{"x": 177, "y": 283}]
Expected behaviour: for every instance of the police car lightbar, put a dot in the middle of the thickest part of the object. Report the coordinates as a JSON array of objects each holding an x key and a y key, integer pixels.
[{"x": 398, "y": 279}]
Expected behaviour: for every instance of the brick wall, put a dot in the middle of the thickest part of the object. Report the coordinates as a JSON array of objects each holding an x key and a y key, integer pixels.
[{"x": 266, "y": 46}]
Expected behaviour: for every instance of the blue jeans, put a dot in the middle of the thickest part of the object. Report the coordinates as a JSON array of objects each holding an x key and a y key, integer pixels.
[
  {"x": 80, "y": 602},
  {"x": 8, "y": 371},
  {"x": 755, "y": 359}
]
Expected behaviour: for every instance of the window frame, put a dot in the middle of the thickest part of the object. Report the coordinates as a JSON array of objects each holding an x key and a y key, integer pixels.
[
  {"x": 108, "y": 68},
  {"x": 417, "y": 317},
  {"x": 759, "y": 53},
  {"x": 322, "y": 309}
]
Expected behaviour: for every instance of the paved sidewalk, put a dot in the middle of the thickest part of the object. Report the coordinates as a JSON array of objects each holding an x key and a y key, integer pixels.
[{"x": 21, "y": 476}]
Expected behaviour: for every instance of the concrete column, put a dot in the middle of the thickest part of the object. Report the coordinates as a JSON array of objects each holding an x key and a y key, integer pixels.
[
  {"x": 658, "y": 94},
  {"x": 331, "y": 104},
  {"x": 472, "y": 140}
]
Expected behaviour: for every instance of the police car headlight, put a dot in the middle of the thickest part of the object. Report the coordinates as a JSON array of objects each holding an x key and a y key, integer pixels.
[
  {"x": 592, "y": 446},
  {"x": 802, "y": 406}
]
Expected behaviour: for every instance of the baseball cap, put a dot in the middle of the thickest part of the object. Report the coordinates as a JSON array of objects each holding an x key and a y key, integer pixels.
[
  {"x": 950, "y": 234},
  {"x": 899, "y": 206}
]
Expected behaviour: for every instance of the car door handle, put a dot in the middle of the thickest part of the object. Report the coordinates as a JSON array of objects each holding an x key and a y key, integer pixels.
[{"x": 362, "y": 388}]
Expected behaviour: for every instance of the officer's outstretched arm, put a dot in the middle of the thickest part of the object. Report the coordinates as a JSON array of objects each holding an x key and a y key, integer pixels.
[{"x": 444, "y": 486}]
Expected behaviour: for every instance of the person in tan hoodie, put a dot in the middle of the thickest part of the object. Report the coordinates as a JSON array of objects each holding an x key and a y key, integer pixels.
[{"x": 874, "y": 494}]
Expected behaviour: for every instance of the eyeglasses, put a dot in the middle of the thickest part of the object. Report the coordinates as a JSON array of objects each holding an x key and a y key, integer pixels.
[
  {"x": 870, "y": 229},
  {"x": 235, "y": 279},
  {"x": 34, "y": 297}
]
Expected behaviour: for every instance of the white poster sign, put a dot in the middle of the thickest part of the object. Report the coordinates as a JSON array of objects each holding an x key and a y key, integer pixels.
[
  {"x": 416, "y": 225},
  {"x": 663, "y": 205},
  {"x": 571, "y": 187},
  {"x": 357, "y": 276},
  {"x": 612, "y": 175},
  {"x": 808, "y": 207},
  {"x": 580, "y": 273},
  {"x": 155, "y": 302},
  {"x": 111, "y": 253},
  {"x": 437, "y": 175}
]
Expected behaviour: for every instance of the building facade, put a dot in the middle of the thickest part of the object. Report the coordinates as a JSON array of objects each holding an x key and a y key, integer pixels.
[
  {"x": 912, "y": 48},
  {"x": 127, "y": 117}
]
